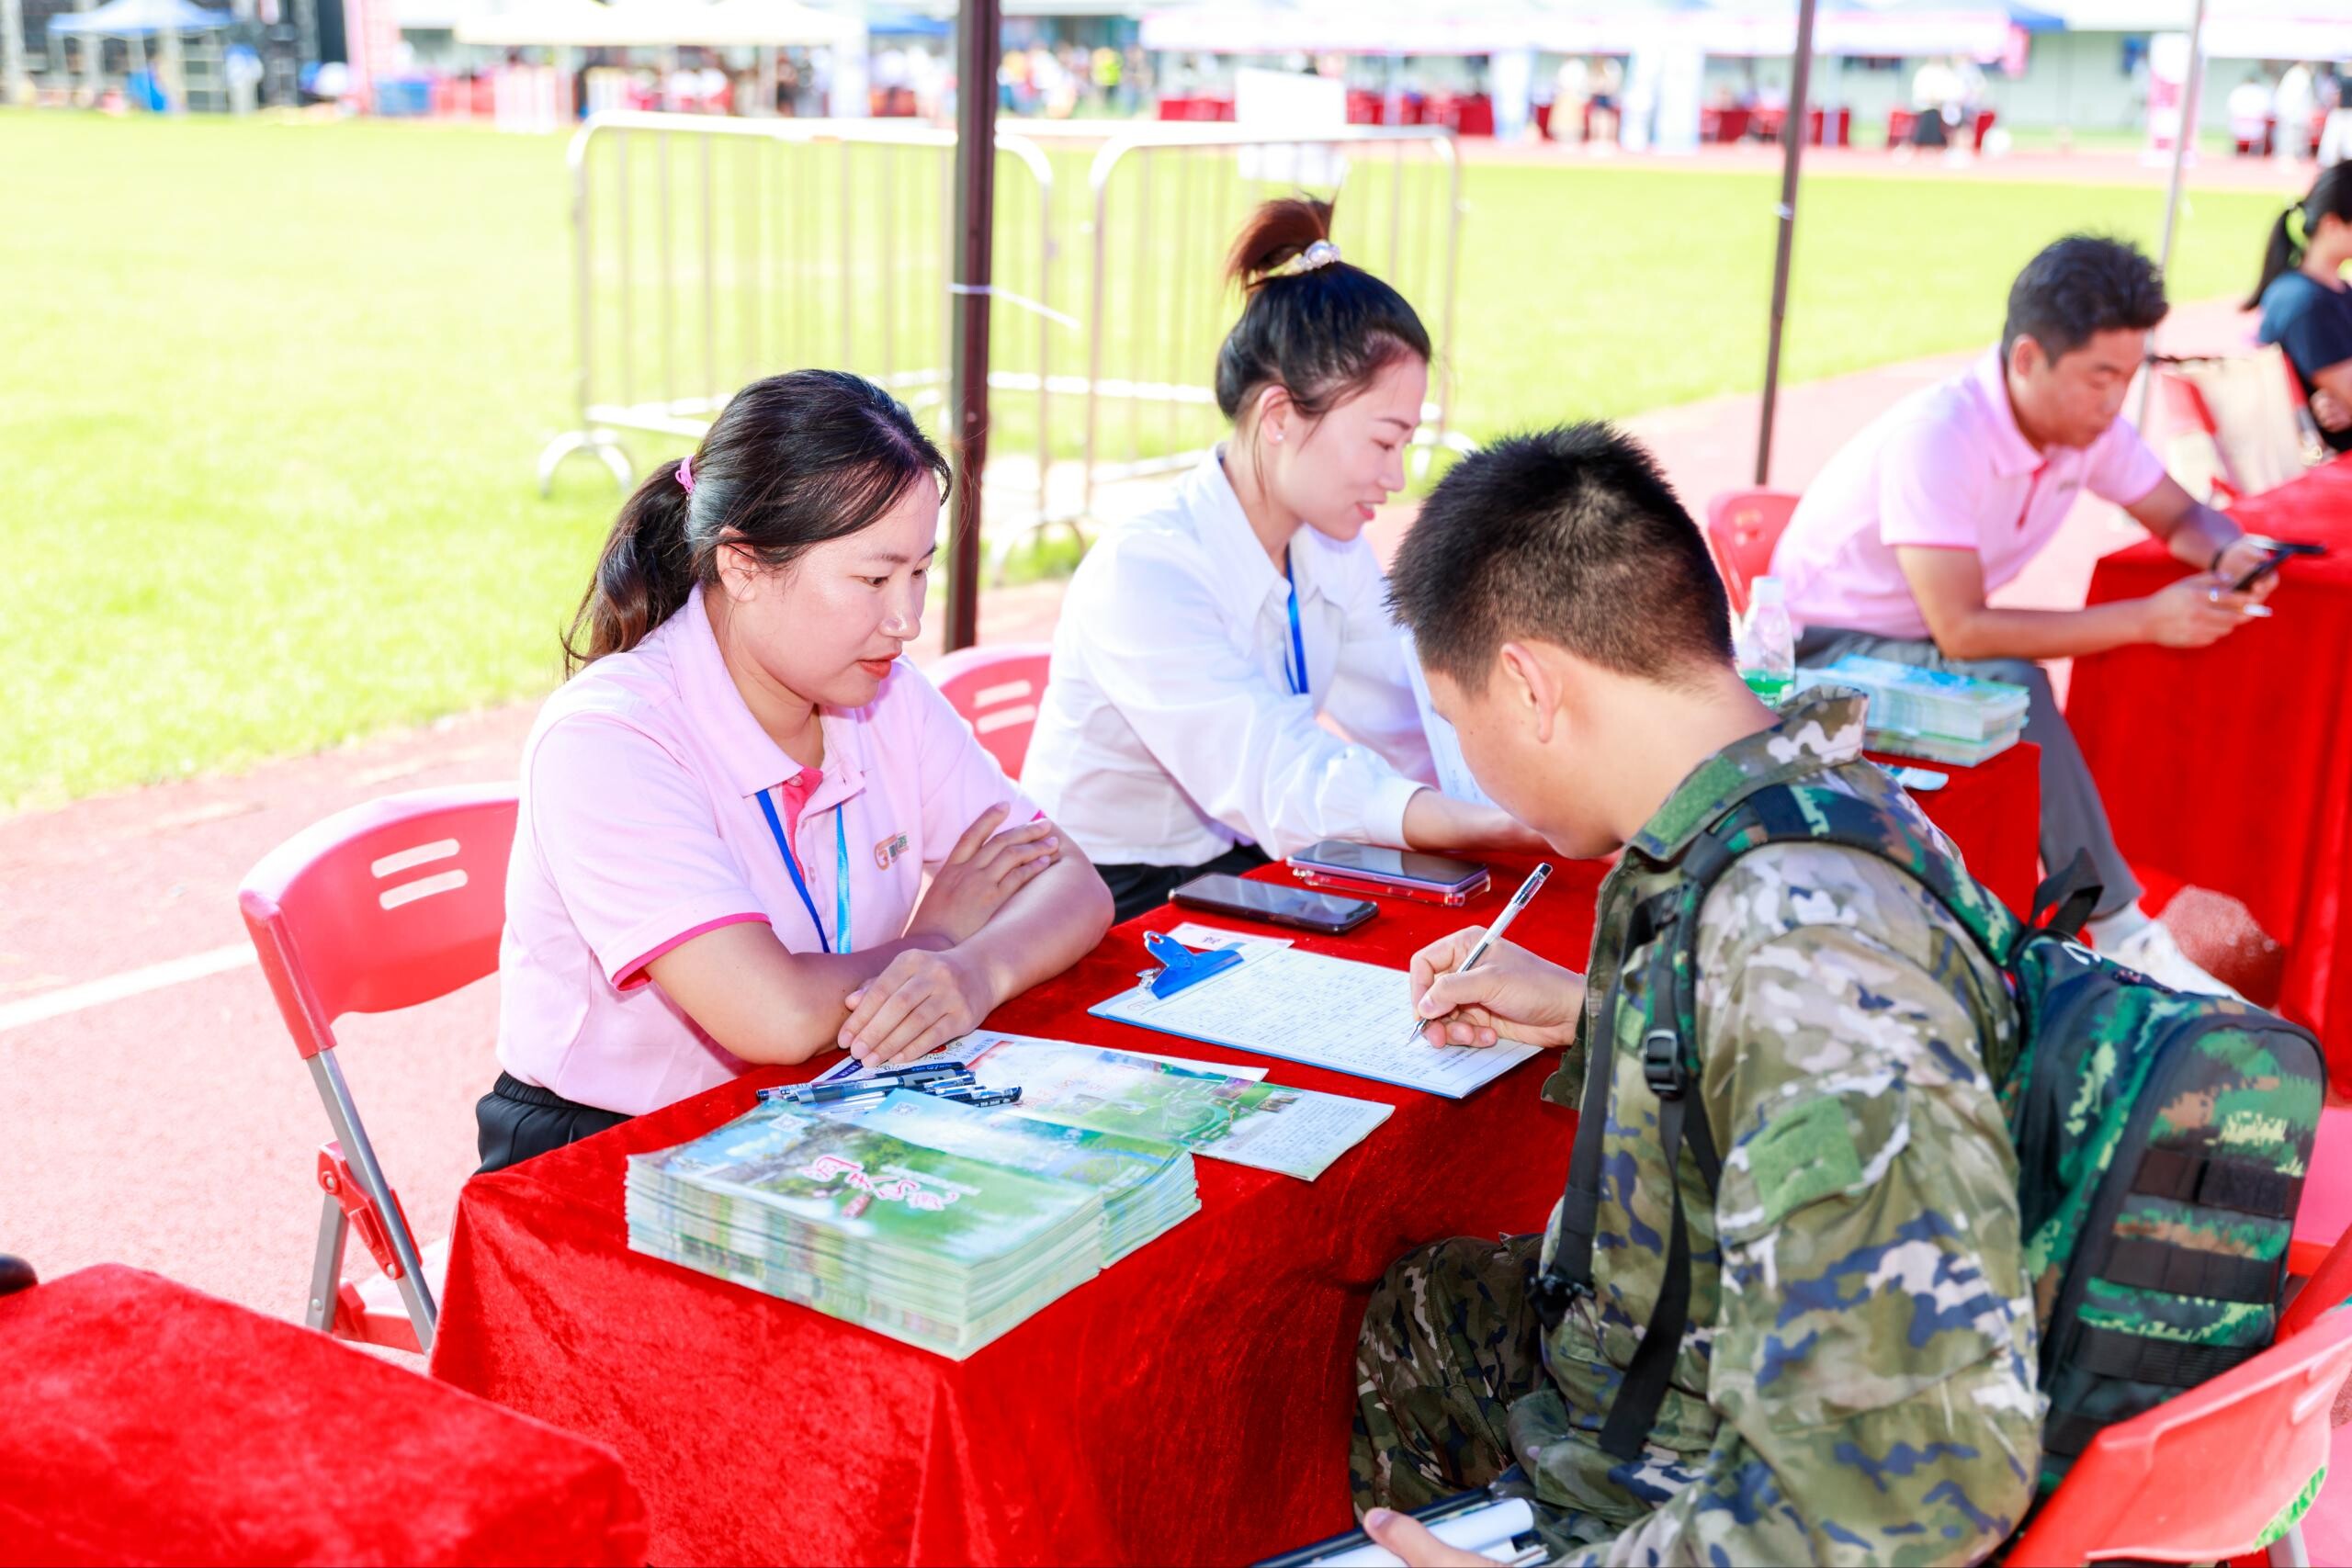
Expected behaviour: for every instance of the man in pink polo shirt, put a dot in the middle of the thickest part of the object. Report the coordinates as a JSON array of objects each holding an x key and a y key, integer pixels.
[{"x": 1950, "y": 493}]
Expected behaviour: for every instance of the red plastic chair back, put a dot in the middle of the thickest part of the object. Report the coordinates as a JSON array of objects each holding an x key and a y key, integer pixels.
[
  {"x": 2199, "y": 1477},
  {"x": 1742, "y": 528},
  {"x": 2328, "y": 1288},
  {"x": 382, "y": 907},
  {"x": 997, "y": 690}
]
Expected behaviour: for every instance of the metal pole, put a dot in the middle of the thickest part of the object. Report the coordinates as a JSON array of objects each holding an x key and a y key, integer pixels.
[
  {"x": 16, "y": 87},
  {"x": 1793, "y": 129},
  {"x": 2181, "y": 136},
  {"x": 976, "y": 52}
]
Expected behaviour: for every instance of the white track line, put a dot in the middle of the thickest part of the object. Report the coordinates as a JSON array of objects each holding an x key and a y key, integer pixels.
[{"x": 130, "y": 983}]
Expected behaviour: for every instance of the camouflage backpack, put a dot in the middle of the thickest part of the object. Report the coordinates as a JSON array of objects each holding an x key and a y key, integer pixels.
[{"x": 2162, "y": 1139}]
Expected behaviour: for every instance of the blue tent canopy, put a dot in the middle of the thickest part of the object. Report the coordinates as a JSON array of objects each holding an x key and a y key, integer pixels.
[
  {"x": 141, "y": 18},
  {"x": 883, "y": 22}
]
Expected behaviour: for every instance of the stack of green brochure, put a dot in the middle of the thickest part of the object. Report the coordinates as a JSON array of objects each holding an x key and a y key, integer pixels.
[
  {"x": 1147, "y": 1185},
  {"x": 935, "y": 1248},
  {"x": 1937, "y": 714}
]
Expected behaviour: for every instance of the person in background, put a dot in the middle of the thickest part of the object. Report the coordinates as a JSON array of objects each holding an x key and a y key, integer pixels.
[
  {"x": 2295, "y": 102},
  {"x": 2335, "y": 131},
  {"x": 1856, "y": 1382},
  {"x": 1203, "y": 645},
  {"x": 1952, "y": 491},
  {"x": 749, "y": 832},
  {"x": 1608, "y": 99},
  {"x": 2250, "y": 115},
  {"x": 1933, "y": 86},
  {"x": 2306, "y": 306},
  {"x": 1571, "y": 91}
]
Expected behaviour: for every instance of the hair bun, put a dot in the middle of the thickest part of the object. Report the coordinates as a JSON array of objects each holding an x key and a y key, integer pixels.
[{"x": 1279, "y": 233}]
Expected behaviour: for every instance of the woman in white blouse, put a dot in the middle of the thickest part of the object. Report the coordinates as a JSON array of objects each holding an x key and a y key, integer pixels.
[{"x": 1202, "y": 644}]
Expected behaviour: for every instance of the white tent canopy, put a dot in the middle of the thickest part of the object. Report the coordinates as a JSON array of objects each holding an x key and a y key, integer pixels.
[
  {"x": 652, "y": 24},
  {"x": 1979, "y": 29},
  {"x": 141, "y": 18}
]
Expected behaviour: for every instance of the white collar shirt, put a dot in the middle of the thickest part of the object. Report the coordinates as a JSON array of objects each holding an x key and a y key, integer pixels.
[{"x": 1170, "y": 731}]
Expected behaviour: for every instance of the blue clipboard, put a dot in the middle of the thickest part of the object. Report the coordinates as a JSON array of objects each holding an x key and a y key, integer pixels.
[{"x": 1180, "y": 966}]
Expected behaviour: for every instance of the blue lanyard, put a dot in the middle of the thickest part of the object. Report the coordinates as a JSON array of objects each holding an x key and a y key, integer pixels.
[
  {"x": 1295, "y": 667},
  {"x": 799, "y": 884}
]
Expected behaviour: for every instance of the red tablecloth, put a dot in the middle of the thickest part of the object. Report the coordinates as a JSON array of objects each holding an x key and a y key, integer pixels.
[
  {"x": 1993, "y": 814},
  {"x": 145, "y": 1422},
  {"x": 1189, "y": 1405},
  {"x": 2230, "y": 766}
]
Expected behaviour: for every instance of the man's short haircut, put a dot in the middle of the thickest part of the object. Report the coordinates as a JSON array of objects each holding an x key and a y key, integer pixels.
[
  {"x": 2080, "y": 285},
  {"x": 1570, "y": 537}
]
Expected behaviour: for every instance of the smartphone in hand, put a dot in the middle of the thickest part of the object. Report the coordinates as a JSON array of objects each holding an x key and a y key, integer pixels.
[{"x": 2277, "y": 554}]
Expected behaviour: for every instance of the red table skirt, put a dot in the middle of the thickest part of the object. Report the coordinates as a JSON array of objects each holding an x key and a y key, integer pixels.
[
  {"x": 1192, "y": 1404},
  {"x": 2230, "y": 766},
  {"x": 145, "y": 1422},
  {"x": 1992, "y": 814}
]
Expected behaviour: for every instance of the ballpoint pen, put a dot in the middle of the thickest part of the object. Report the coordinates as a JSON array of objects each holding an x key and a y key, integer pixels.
[{"x": 1518, "y": 901}]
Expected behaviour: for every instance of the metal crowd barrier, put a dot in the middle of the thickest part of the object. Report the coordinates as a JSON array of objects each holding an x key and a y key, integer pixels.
[
  {"x": 709, "y": 252},
  {"x": 1168, "y": 200}
]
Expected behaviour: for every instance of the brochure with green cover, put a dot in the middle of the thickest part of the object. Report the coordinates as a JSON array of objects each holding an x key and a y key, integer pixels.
[
  {"x": 1147, "y": 1184},
  {"x": 1297, "y": 1132},
  {"x": 866, "y": 1184},
  {"x": 923, "y": 1243}
]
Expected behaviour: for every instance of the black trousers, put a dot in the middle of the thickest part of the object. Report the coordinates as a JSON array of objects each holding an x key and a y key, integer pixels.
[
  {"x": 1141, "y": 889},
  {"x": 516, "y": 1120}
]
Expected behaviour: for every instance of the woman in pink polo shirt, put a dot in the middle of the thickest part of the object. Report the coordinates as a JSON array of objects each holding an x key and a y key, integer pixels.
[{"x": 729, "y": 811}]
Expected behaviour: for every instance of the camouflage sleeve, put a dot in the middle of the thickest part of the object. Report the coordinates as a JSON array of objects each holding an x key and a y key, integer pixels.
[{"x": 1873, "y": 1352}]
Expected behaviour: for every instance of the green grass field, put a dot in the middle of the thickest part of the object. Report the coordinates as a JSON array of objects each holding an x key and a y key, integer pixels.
[{"x": 274, "y": 391}]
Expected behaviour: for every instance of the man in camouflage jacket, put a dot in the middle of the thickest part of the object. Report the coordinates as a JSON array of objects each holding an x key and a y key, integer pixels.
[{"x": 1857, "y": 1381}]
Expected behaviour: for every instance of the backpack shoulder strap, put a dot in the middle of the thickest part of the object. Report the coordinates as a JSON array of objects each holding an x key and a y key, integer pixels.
[{"x": 1783, "y": 814}]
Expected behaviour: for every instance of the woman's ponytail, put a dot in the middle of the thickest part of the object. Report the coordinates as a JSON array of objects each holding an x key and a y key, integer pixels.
[
  {"x": 2331, "y": 197},
  {"x": 792, "y": 461},
  {"x": 1318, "y": 327},
  {"x": 643, "y": 575},
  {"x": 2282, "y": 256}
]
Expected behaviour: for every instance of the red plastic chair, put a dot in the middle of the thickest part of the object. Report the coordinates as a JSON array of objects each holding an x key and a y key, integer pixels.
[
  {"x": 2325, "y": 1215},
  {"x": 1742, "y": 527},
  {"x": 382, "y": 907},
  {"x": 997, "y": 690},
  {"x": 2201, "y": 1477},
  {"x": 2328, "y": 1288}
]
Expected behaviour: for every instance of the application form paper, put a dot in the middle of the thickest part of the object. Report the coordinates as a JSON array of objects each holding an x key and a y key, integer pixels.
[{"x": 1326, "y": 1012}]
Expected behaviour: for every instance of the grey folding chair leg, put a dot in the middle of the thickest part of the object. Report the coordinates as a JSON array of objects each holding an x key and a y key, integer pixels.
[
  {"x": 2288, "y": 1550},
  {"x": 326, "y": 1274},
  {"x": 344, "y": 1116}
]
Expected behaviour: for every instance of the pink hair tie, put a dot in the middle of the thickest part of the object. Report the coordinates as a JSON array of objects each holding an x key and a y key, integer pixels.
[{"x": 686, "y": 473}]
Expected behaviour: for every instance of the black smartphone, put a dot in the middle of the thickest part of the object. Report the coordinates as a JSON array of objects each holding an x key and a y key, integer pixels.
[
  {"x": 2280, "y": 552},
  {"x": 1272, "y": 902},
  {"x": 1399, "y": 871}
]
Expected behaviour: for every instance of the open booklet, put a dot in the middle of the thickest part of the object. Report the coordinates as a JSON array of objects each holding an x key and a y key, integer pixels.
[{"x": 1217, "y": 1113}]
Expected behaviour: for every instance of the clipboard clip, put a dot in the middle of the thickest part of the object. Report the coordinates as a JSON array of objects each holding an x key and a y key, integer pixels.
[{"x": 1180, "y": 966}]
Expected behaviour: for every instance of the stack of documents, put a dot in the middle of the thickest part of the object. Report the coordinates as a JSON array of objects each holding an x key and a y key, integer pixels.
[
  {"x": 1931, "y": 714},
  {"x": 1147, "y": 1185},
  {"x": 925, "y": 1244}
]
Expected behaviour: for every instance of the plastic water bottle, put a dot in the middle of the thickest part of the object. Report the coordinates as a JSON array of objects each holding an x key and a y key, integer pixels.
[{"x": 1767, "y": 644}]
